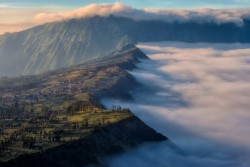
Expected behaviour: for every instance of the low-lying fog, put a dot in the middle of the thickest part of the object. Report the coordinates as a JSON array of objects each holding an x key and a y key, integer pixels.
[{"x": 199, "y": 96}]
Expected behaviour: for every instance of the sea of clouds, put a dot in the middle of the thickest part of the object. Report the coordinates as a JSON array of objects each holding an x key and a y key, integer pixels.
[{"x": 199, "y": 96}]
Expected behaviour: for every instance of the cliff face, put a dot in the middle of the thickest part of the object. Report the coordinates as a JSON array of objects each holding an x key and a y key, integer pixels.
[{"x": 90, "y": 150}]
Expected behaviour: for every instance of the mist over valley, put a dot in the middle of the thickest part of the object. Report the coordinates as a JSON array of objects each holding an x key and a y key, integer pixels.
[{"x": 197, "y": 95}]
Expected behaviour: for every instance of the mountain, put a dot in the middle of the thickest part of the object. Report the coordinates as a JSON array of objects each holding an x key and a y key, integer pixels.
[
  {"x": 55, "y": 45},
  {"x": 100, "y": 77},
  {"x": 56, "y": 118},
  {"x": 61, "y": 44}
]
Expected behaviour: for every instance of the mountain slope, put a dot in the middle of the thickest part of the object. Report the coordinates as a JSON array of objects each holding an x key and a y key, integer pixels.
[
  {"x": 55, "y": 119},
  {"x": 99, "y": 77},
  {"x": 57, "y": 45},
  {"x": 61, "y": 44}
]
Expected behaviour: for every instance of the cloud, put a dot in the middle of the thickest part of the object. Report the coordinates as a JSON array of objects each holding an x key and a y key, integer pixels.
[
  {"x": 198, "y": 15},
  {"x": 217, "y": 16},
  {"x": 87, "y": 11},
  {"x": 198, "y": 95},
  {"x": 203, "y": 15},
  {"x": 49, "y": 16}
]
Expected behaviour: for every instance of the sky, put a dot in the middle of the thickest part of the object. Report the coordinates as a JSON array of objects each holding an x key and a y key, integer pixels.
[
  {"x": 66, "y": 4},
  {"x": 16, "y": 15}
]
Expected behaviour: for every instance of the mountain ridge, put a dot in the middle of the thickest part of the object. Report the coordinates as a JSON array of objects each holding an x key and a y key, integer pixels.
[
  {"x": 61, "y": 111},
  {"x": 61, "y": 44}
]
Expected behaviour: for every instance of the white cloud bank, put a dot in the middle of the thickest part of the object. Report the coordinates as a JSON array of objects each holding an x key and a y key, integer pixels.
[
  {"x": 218, "y": 16},
  {"x": 87, "y": 11},
  {"x": 198, "y": 95},
  {"x": 198, "y": 15}
]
